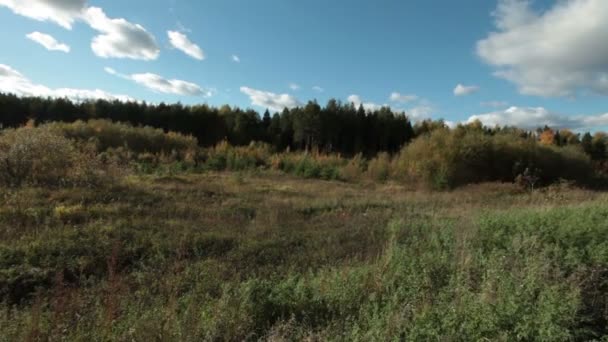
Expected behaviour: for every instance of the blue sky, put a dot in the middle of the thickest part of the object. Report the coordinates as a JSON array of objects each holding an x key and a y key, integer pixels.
[{"x": 509, "y": 56}]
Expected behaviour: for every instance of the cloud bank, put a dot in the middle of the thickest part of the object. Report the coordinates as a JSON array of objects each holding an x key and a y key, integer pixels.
[
  {"x": 558, "y": 53},
  {"x": 12, "y": 81},
  {"x": 534, "y": 117}
]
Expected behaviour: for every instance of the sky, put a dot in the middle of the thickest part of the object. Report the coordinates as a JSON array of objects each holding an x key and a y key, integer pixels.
[{"x": 509, "y": 62}]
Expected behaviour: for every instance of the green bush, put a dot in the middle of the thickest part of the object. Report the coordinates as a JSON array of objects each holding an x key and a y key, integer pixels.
[{"x": 310, "y": 165}]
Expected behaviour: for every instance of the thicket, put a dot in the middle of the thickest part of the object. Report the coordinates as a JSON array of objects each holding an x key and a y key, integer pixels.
[
  {"x": 450, "y": 158},
  {"x": 68, "y": 153},
  {"x": 111, "y": 135},
  {"x": 41, "y": 157}
]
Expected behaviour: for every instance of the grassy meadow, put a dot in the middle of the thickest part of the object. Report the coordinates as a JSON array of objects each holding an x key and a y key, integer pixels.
[
  {"x": 233, "y": 244},
  {"x": 246, "y": 256}
]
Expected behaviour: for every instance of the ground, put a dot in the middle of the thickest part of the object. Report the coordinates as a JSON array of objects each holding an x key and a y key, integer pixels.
[{"x": 262, "y": 255}]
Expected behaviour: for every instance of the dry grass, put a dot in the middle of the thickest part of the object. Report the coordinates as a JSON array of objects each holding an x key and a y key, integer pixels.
[{"x": 219, "y": 256}]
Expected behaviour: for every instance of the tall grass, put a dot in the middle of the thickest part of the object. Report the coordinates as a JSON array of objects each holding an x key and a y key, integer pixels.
[{"x": 522, "y": 274}]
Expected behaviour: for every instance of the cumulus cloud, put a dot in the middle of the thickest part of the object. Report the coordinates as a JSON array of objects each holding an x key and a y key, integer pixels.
[
  {"x": 558, "y": 52},
  {"x": 48, "y": 41},
  {"x": 403, "y": 98},
  {"x": 462, "y": 90},
  {"x": 236, "y": 59},
  {"x": 368, "y": 106},
  {"x": 120, "y": 38},
  {"x": 61, "y": 12},
  {"x": 181, "y": 42},
  {"x": 420, "y": 112},
  {"x": 160, "y": 84},
  {"x": 318, "y": 89},
  {"x": 294, "y": 86},
  {"x": 266, "y": 99},
  {"x": 534, "y": 117},
  {"x": 12, "y": 81}
]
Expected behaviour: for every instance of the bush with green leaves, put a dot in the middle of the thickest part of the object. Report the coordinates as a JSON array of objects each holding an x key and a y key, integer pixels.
[{"x": 310, "y": 165}]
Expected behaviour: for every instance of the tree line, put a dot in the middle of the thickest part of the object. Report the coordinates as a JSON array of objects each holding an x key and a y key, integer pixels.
[{"x": 336, "y": 127}]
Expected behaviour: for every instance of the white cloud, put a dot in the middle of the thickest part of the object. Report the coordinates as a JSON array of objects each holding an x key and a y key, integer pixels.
[
  {"x": 265, "y": 99},
  {"x": 12, "y": 81},
  {"x": 403, "y": 98},
  {"x": 120, "y": 38},
  {"x": 421, "y": 112},
  {"x": 61, "y": 12},
  {"x": 368, "y": 106},
  {"x": 294, "y": 86},
  {"x": 462, "y": 90},
  {"x": 494, "y": 104},
  {"x": 318, "y": 89},
  {"x": 48, "y": 42},
  {"x": 162, "y": 85},
  {"x": 236, "y": 59},
  {"x": 555, "y": 53},
  {"x": 181, "y": 42},
  {"x": 534, "y": 117}
]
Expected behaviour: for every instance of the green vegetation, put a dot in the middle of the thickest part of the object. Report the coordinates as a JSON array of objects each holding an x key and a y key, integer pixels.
[
  {"x": 115, "y": 232},
  {"x": 231, "y": 257},
  {"x": 463, "y": 156}
]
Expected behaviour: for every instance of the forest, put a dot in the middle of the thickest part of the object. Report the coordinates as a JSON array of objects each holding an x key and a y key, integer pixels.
[{"x": 335, "y": 128}]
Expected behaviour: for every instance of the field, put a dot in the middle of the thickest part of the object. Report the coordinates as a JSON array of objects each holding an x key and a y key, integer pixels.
[{"x": 268, "y": 256}]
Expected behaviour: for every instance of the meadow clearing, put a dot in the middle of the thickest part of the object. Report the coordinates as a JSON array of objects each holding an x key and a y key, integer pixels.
[{"x": 269, "y": 256}]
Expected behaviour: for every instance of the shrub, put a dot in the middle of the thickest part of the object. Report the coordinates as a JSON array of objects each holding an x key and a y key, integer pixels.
[
  {"x": 379, "y": 167},
  {"x": 108, "y": 134},
  {"x": 353, "y": 170},
  {"x": 309, "y": 165},
  {"x": 39, "y": 156},
  {"x": 227, "y": 157},
  {"x": 445, "y": 159}
]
